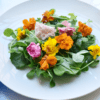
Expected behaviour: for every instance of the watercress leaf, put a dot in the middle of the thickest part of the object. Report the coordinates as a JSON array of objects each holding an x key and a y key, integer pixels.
[
  {"x": 77, "y": 58},
  {"x": 59, "y": 70},
  {"x": 72, "y": 16},
  {"x": 84, "y": 39},
  {"x": 31, "y": 74},
  {"x": 79, "y": 42},
  {"x": 83, "y": 52},
  {"x": 39, "y": 71},
  {"x": 59, "y": 60},
  {"x": 8, "y": 32},
  {"x": 45, "y": 74},
  {"x": 95, "y": 63},
  {"x": 38, "y": 20},
  {"x": 13, "y": 34},
  {"x": 20, "y": 43},
  {"x": 18, "y": 60},
  {"x": 52, "y": 83}
]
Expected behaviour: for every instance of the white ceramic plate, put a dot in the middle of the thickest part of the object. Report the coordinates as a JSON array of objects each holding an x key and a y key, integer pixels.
[{"x": 66, "y": 87}]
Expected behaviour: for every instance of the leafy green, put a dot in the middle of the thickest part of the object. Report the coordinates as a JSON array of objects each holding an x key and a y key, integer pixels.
[
  {"x": 59, "y": 70},
  {"x": 8, "y": 32},
  {"x": 95, "y": 63},
  {"x": 39, "y": 71},
  {"x": 18, "y": 60},
  {"x": 31, "y": 74}
]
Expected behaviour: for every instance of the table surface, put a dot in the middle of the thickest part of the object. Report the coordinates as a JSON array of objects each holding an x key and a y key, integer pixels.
[{"x": 6, "y": 93}]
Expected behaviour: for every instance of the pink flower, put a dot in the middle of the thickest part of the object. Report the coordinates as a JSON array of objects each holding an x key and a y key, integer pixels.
[
  {"x": 69, "y": 30},
  {"x": 43, "y": 31},
  {"x": 34, "y": 50}
]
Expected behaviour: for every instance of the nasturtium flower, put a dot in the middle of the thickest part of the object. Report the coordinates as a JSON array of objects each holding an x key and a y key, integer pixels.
[
  {"x": 47, "y": 16},
  {"x": 94, "y": 50},
  {"x": 20, "y": 34},
  {"x": 50, "y": 47},
  {"x": 84, "y": 29},
  {"x": 46, "y": 61},
  {"x": 34, "y": 50},
  {"x": 30, "y": 25},
  {"x": 43, "y": 31},
  {"x": 65, "y": 42},
  {"x": 68, "y": 30}
]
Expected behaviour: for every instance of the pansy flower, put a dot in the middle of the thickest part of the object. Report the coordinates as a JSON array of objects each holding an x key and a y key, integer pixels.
[{"x": 68, "y": 30}]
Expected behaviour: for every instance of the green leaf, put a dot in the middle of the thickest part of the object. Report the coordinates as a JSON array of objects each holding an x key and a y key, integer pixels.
[
  {"x": 13, "y": 34},
  {"x": 52, "y": 83},
  {"x": 39, "y": 71},
  {"x": 72, "y": 16},
  {"x": 95, "y": 63},
  {"x": 83, "y": 52},
  {"x": 45, "y": 74},
  {"x": 77, "y": 58},
  {"x": 59, "y": 70},
  {"x": 8, "y": 32},
  {"x": 79, "y": 42},
  {"x": 18, "y": 60},
  {"x": 31, "y": 74},
  {"x": 19, "y": 43},
  {"x": 59, "y": 60}
]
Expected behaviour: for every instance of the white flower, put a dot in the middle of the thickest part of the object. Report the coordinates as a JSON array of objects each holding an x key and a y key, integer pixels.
[{"x": 43, "y": 31}]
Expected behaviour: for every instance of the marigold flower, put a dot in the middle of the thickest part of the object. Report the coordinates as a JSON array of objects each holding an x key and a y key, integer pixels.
[
  {"x": 68, "y": 30},
  {"x": 50, "y": 47},
  {"x": 94, "y": 50},
  {"x": 43, "y": 31},
  {"x": 84, "y": 29},
  {"x": 30, "y": 25},
  {"x": 20, "y": 34},
  {"x": 52, "y": 60},
  {"x": 46, "y": 60},
  {"x": 65, "y": 42},
  {"x": 34, "y": 50},
  {"x": 47, "y": 16}
]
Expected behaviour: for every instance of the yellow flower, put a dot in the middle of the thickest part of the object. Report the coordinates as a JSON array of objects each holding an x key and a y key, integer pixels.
[
  {"x": 50, "y": 47},
  {"x": 20, "y": 34},
  {"x": 95, "y": 50}
]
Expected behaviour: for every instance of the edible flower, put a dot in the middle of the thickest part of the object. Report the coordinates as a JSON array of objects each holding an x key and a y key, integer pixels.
[
  {"x": 68, "y": 30},
  {"x": 47, "y": 16},
  {"x": 43, "y": 31},
  {"x": 46, "y": 60},
  {"x": 34, "y": 50},
  {"x": 94, "y": 50},
  {"x": 50, "y": 47},
  {"x": 30, "y": 25},
  {"x": 20, "y": 34},
  {"x": 84, "y": 29},
  {"x": 65, "y": 42}
]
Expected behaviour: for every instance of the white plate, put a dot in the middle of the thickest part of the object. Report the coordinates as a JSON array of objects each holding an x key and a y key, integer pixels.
[{"x": 66, "y": 87}]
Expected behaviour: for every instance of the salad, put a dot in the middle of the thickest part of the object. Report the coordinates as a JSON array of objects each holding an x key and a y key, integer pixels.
[{"x": 53, "y": 45}]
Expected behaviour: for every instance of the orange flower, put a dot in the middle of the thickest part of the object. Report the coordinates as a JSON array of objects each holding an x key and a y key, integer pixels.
[
  {"x": 46, "y": 60},
  {"x": 47, "y": 16},
  {"x": 65, "y": 42},
  {"x": 30, "y": 25},
  {"x": 84, "y": 29},
  {"x": 52, "y": 60}
]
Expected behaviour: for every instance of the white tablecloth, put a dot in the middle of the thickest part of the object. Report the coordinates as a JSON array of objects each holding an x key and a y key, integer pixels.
[{"x": 7, "y": 94}]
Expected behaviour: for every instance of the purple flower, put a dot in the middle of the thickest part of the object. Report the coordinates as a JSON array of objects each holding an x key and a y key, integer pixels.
[
  {"x": 69, "y": 30},
  {"x": 34, "y": 50}
]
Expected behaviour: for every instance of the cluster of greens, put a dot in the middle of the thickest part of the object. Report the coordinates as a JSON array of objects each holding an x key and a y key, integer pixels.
[{"x": 72, "y": 62}]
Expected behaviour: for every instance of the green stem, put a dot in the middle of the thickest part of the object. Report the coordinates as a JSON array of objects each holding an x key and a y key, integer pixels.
[{"x": 87, "y": 65}]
